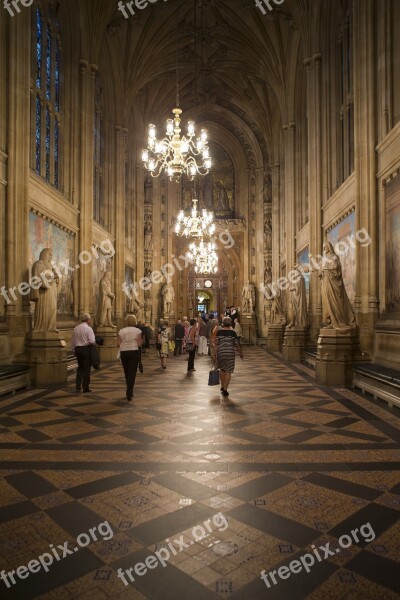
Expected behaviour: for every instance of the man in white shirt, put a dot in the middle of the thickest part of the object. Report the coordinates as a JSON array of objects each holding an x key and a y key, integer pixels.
[{"x": 82, "y": 338}]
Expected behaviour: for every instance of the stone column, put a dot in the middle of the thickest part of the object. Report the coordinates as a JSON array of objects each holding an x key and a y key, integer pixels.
[
  {"x": 313, "y": 72},
  {"x": 18, "y": 147},
  {"x": 365, "y": 110},
  {"x": 119, "y": 224},
  {"x": 85, "y": 184},
  {"x": 290, "y": 200},
  {"x": 276, "y": 176}
]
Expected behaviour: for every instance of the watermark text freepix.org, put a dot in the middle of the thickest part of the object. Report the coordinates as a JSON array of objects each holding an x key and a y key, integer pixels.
[
  {"x": 168, "y": 270},
  {"x": 173, "y": 547},
  {"x": 45, "y": 560},
  {"x": 15, "y": 5},
  {"x": 124, "y": 7},
  {"x": 46, "y": 277},
  {"x": 316, "y": 263},
  {"x": 306, "y": 561}
]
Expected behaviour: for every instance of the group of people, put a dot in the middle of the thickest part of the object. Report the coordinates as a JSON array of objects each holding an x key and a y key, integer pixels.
[
  {"x": 217, "y": 338},
  {"x": 207, "y": 335}
]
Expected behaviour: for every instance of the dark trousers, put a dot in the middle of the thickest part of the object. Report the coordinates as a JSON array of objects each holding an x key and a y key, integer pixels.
[
  {"x": 191, "y": 356},
  {"x": 83, "y": 354},
  {"x": 178, "y": 347},
  {"x": 130, "y": 360}
]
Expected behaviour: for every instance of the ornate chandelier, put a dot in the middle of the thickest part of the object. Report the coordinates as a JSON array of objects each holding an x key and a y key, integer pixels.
[
  {"x": 204, "y": 257},
  {"x": 195, "y": 225},
  {"x": 174, "y": 155}
]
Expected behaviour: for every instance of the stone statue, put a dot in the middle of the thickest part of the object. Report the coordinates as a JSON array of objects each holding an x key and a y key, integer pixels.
[
  {"x": 267, "y": 275},
  {"x": 135, "y": 307},
  {"x": 45, "y": 297},
  {"x": 221, "y": 196},
  {"x": 277, "y": 310},
  {"x": 267, "y": 311},
  {"x": 168, "y": 295},
  {"x": 248, "y": 297},
  {"x": 337, "y": 312},
  {"x": 148, "y": 189},
  {"x": 148, "y": 237},
  {"x": 297, "y": 299},
  {"x": 105, "y": 302},
  {"x": 268, "y": 234}
]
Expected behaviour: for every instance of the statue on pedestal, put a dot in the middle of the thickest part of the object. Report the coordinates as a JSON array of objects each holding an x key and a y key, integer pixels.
[
  {"x": 168, "y": 295},
  {"x": 105, "y": 302},
  {"x": 135, "y": 307},
  {"x": 148, "y": 189},
  {"x": 298, "y": 314},
  {"x": 337, "y": 312},
  {"x": 45, "y": 296},
  {"x": 148, "y": 237},
  {"x": 268, "y": 234},
  {"x": 248, "y": 297},
  {"x": 277, "y": 311}
]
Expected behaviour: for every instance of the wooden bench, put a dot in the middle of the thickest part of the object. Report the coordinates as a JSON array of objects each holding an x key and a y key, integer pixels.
[
  {"x": 310, "y": 356},
  {"x": 13, "y": 378},
  {"x": 382, "y": 382},
  {"x": 72, "y": 363}
]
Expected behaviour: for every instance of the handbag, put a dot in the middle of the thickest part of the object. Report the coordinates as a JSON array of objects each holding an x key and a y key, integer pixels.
[
  {"x": 171, "y": 345},
  {"x": 213, "y": 377}
]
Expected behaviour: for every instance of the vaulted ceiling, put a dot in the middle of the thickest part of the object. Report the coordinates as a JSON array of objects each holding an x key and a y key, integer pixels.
[{"x": 247, "y": 76}]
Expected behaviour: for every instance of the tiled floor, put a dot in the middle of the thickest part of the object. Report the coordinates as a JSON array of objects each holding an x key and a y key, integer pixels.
[{"x": 288, "y": 466}]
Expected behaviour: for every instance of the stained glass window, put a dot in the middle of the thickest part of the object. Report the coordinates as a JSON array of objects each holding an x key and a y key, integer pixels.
[
  {"x": 57, "y": 77},
  {"x": 38, "y": 134},
  {"x": 47, "y": 144},
  {"x": 46, "y": 102},
  {"x": 48, "y": 63},
  {"x": 56, "y": 151}
]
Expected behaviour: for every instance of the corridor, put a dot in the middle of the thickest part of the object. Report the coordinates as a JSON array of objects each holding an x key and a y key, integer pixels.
[{"x": 286, "y": 465}]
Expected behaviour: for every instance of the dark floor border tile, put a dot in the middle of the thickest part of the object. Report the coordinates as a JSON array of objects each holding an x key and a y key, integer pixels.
[
  {"x": 273, "y": 524},
  {"x": 343, "y": 486}
]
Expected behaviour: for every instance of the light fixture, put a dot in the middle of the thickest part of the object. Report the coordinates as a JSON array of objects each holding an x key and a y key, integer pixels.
[
  {"x": 201, "y": 299},
  {"x": 176, "y": 155},
  {"x": 196, "y": 224},
  {"x": 204, "y": 257}
]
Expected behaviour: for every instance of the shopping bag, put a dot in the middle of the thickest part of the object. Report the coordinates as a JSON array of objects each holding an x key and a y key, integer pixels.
[
  {"x": 171, "y": 345},
  {"x": 213, "y": 377}
]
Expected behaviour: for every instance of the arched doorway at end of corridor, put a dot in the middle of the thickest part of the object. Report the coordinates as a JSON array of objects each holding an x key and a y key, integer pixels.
[{"x": 204, "y": 302}]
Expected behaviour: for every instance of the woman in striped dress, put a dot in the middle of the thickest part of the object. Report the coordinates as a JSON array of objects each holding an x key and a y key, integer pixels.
[{"x": 227, "y": 345}]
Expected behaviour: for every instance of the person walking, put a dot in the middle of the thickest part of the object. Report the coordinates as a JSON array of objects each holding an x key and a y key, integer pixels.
[
  {"x": 202, "y": 330},
  {"x": 82, "y": 338},
  {"x": 130, "y": 340},
  {"x": 191, "y": 344},
  {"x": 213, "y": 336},
  {"x": 186, "y": 325},
  {"x": 227, "y": 346},
  {"x": 163, "y": 339},
  {"x": 179, "y": 335}
]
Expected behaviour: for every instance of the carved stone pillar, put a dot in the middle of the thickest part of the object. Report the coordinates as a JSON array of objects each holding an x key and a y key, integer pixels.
[
  {"x": 365, "y": 110},
  {"x": 85, "y": 181},
  {"x": 313, "y": 73}
]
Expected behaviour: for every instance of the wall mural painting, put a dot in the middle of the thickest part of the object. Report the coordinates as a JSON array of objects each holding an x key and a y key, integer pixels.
[
  {"x": 303, "y": 258},
  {"x": 216, "y": 190},
  {"x": 43, "y": 234},
  {"x": 343, "y": 230},
  {"x": 100, "y": 265},
  {"x": 393, "y": 244}
]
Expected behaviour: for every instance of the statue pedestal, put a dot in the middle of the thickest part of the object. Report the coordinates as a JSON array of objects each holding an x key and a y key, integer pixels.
[
  {"x": 108, "y": 352},
  {"x": 275, "y": 337},
  {"x": 335, "y": 352},
  {"x": 294, "y": 343},
  {"x": 248, "y": 324},
  {"x": 48, "y": 359}
]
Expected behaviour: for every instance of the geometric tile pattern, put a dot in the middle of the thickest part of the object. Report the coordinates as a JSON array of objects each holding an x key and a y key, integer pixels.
[{"x": 288, "y": 463}]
